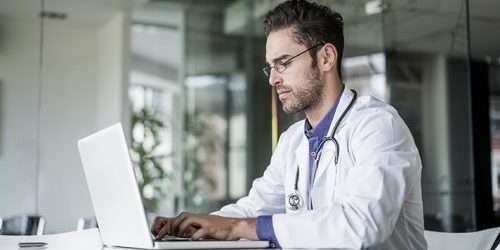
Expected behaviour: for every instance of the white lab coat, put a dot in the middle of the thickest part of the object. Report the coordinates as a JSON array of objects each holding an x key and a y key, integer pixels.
[{"x": 371, "y": 198}]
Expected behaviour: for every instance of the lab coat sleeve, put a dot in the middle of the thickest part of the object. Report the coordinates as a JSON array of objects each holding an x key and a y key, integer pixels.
[
  {"x": 267, "y": 194},
  {"x": 366, "y": 205}
]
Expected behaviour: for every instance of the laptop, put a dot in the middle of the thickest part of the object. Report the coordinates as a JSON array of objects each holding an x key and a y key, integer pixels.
[{"x": 116, "y": 199}]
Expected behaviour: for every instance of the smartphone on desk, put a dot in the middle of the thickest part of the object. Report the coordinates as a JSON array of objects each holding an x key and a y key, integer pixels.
[{"x": 32, "y": 245}]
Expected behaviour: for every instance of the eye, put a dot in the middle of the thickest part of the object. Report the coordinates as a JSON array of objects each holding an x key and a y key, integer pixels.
[
  {"x": 281, "y": 66},
  {"x": 284, "y": 63}
]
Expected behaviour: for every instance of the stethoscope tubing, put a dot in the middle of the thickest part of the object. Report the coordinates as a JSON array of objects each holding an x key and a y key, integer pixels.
[{"x": 322, "y": 143}]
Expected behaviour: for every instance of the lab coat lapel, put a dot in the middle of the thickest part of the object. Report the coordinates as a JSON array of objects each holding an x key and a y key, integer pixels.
[
  {"x": 345, "y": 99},
  {"x": 302, "y": 156},
  {"x": 329, "y": 153}
]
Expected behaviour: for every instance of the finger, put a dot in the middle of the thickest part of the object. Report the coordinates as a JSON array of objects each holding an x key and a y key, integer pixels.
[
  {"x": 199, "y": 234},
  {"x": 163, "y": 231},
  {"x": 185, "y": 228},
  {"x": 174, "y": 226},
  {"x": 157, "y": 224},
  {"x": 191, "y": 230}
]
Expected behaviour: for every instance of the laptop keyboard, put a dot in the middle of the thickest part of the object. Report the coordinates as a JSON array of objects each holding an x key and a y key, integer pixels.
[{"x": 173, "y": 238}]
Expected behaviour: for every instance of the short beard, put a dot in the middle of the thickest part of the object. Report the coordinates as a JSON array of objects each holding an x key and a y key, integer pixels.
[{"x": 308, "y": 94}]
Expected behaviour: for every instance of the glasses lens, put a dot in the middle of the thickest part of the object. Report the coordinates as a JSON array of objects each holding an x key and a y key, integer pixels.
[
  {"x": 280, "y": 67},
  {"x": 266, "y": 70}
]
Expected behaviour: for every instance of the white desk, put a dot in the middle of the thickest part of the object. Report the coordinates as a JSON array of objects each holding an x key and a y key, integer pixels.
[{"x": 79, "y": 240}]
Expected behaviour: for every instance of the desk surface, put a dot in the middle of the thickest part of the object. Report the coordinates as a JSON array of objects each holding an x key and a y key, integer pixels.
[
  {"x": 89, "y": 239},
  {"x": 86, "y": 239}
]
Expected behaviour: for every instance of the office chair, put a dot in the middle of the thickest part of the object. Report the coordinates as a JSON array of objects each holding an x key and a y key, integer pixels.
[
  {"x": 23, "y": 225},
  {"x": 487, "y": 239},
  {"x": 86, "y": 223}
]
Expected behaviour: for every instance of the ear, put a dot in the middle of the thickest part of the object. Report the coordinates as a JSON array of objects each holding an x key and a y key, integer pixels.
[{"x": 327, "y": 58}]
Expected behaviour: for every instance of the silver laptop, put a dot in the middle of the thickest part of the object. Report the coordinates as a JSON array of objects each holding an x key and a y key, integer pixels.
[{"x": 115, "y": 195}]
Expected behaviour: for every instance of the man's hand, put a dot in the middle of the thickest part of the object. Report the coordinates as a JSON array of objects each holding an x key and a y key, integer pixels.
[{"x": 202, "y": 226}]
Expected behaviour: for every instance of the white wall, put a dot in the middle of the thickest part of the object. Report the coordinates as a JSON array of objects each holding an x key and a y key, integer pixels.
[
  {"x": 68, "y": 112},
  {"x": 113, "y": 51},
  {"x": 83, "y": 89},
  {"x": 19, "y": 56}
]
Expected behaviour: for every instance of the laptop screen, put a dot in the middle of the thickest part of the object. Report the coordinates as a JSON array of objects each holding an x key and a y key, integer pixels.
[{"x": 113, "y": 189}]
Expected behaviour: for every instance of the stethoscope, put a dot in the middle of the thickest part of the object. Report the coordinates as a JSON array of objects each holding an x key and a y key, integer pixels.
[{"x": 295, "y": 200}]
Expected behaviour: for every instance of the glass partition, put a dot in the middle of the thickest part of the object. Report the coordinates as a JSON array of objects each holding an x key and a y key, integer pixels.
[
  {"x": 215, "y": 170},
  {"x": 494, "y": 110},
  {"x": 157, "y": 110},
  {"x": 485, "y": 61},
  {"x": 426, "y": 47}
]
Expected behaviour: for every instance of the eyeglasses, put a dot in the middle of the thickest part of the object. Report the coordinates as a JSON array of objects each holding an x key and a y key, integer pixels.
[{"x": 281, "y": 66}]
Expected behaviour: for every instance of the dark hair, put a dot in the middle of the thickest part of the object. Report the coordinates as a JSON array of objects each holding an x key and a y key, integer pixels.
[{"x": 312, "y": 24}]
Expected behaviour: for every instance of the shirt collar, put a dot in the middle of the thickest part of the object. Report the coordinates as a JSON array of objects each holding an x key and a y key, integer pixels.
[{"x": 322, "y": 128}]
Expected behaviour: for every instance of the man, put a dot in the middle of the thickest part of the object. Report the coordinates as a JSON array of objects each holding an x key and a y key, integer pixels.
[{"x": 348, "y": 176}]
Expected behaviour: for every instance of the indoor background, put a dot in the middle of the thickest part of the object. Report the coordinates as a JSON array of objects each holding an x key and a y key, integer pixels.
[{"x": 184, "y": 78}]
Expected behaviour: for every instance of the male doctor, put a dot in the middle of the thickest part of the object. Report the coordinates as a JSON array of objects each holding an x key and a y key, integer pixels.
[{"x": 347, "y": 176}]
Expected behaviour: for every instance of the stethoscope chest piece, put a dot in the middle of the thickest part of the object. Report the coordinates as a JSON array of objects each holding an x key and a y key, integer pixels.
[{"x": 294, "y": 201}]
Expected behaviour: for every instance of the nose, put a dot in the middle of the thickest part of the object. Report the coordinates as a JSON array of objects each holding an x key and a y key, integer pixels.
[{"x": 274, "y": 77}]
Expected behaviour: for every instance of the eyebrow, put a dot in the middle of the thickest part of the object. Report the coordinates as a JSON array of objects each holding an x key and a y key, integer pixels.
[{"x": 279, "y": 59}]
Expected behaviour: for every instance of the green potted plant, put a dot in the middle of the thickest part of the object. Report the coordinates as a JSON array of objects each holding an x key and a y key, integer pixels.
[{"x": 153, "y": 178}]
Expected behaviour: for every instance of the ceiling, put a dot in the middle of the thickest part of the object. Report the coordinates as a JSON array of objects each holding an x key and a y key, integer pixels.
[
  {"x": 87, "y": 12},
  {"x": 432, "y": 26},
  {"x": 436, "y": 26}
]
